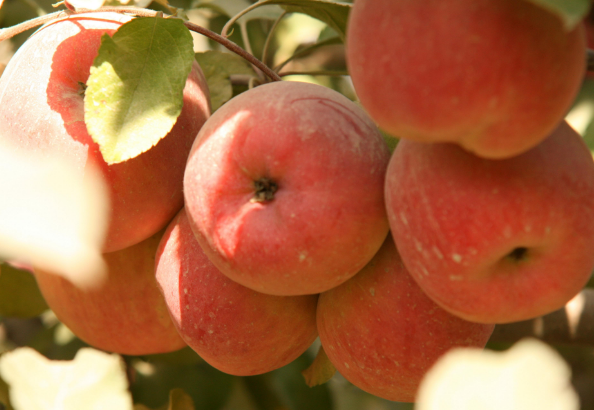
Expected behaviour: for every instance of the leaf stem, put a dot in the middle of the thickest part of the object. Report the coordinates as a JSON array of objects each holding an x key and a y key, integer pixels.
[
  {"x": 9, "y": 32},
  {"x": 269, "y": 37},
  {"x": 308, "y": 49},
  {"x": 237, "y": 17}
]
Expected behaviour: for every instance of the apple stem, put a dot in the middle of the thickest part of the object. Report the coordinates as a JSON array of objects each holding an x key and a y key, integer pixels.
[
  {"x": 265, "y": 190},
  {"x": 12, "y": 31}
]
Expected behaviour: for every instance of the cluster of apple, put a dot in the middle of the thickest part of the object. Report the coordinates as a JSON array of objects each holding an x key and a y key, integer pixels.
[{"x": 246, "y": 233}]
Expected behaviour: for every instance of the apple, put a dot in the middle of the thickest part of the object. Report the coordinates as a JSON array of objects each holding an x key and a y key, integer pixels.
[
  {"x": 382, "y": 333},
  {"x": 495, "y": 76},
  {"x": 495, "y": 241},
  {"x": 126, "y": 314},
  {"x": 41, "y": 110},
  {"x": 235, "y": 329},
  {"x": 284, "y": 188}
]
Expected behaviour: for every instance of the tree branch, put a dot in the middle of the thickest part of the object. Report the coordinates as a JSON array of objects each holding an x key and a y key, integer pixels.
[{"x": 9, "y": 32}]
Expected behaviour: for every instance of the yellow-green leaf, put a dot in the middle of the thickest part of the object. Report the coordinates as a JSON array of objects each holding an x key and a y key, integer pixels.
[
  {"x": 135, "y": 90},
  {"x": 320, "y": 371},
  {"x": 180, "y": 400}
]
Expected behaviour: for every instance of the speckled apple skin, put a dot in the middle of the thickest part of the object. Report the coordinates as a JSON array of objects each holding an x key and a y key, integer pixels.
[
  {"x": 457, "y": 218},
  {"x": 126, "y": 314},
  {"x": 495, "y": 76},
  {"x": 235, "y": 329},
  {"x": 327, "y": 218},
  {"x": 382, "y": 333}
]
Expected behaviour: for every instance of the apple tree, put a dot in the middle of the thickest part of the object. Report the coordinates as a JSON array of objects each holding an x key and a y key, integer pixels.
[{"x": 296, "y": 204}]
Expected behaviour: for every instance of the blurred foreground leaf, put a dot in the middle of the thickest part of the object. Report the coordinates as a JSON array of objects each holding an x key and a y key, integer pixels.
[
  {"x": 52, "y": 216},
  {"x": 530, "y": 375},
  {"x": 93, "y": 380},
  {"x": 19, "y": 294},
  {"x": 218, "y": 67},
  {"x": 133, "y": 98}
]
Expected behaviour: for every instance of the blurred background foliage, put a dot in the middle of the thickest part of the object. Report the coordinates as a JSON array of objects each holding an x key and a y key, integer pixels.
[{"x": 300, "y": 48}]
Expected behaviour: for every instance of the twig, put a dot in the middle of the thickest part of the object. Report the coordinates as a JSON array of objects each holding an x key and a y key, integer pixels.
[
  {"x": 269, "y": 37},
  {"x": 9, "y": 32},
  {"x": 237, "y": 17},
  {"x": 306, "y": 50}
]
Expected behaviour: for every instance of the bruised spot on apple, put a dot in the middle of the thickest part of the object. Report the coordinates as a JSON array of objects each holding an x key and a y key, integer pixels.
[
  {"x": 495, "y": 241},
  {"x": 126, "y": 314},
  {"x": 381, "y": 331},
  {"x": 42, "y": 110},
  {"x": 284, "y": 188},
  {"x": 233, "y": 328}
]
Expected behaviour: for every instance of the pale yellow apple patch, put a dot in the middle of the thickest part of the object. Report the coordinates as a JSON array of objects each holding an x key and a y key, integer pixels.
[
  {"x": 53, "y": 217},
  {"x": 530, "y": 375},
  {"x": 93, "y": 380}
]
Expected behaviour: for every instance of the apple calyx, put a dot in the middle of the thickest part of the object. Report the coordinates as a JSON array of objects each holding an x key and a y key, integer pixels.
[
  {"x": 517, "y": 254},
  {"x": 265, "y": 188},
  {"x": 82, "y": 88}
]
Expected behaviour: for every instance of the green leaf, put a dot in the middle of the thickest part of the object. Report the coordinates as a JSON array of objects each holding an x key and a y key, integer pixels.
[
  {"x": 570, "y": 11},
  {"x": 135, "y": 91},
  {"x": 208, "y": 387},
  {"x": 320, "y": 371},
  {"x": 19, "y": 294},
  {"x": 334, "y": 14},
  {"x": 291, "y": 387},
  {"x": 218, "y": 67}
]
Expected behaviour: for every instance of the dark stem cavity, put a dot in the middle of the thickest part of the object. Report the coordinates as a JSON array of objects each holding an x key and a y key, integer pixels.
[
  {"x": 518, "y": 254},
  {"x": 82, "y": 88},
  {"x": 265, "y": 189}
]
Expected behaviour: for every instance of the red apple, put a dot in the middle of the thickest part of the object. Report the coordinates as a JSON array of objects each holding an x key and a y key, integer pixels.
[
  {"x": 126, "y": 314},
  {"x": 382, "y": 333},
  {"x": 41, "y": 109},
  {"x": 233, "y": 328},
  {"x": 495, "y": 76},
  {"x": 495, "y": 241},
  {"x": 284, "y": 188}
]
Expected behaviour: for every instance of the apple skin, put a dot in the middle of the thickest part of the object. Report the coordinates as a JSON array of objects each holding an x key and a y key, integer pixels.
[
  {"x": 495, "y": 76},
  {"x": 235, "y": 329},
  {"x": 495, "y": 241},
  {"x": 42, "y": 110},
  {"x": 382, "y": 333},
  {"x": 126, "y": 314},
  {"x": 327, "y": 218}
]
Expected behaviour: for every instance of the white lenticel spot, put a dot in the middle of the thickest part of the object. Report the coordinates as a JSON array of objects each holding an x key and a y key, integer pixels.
[{"x": 456, "y": 258}]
